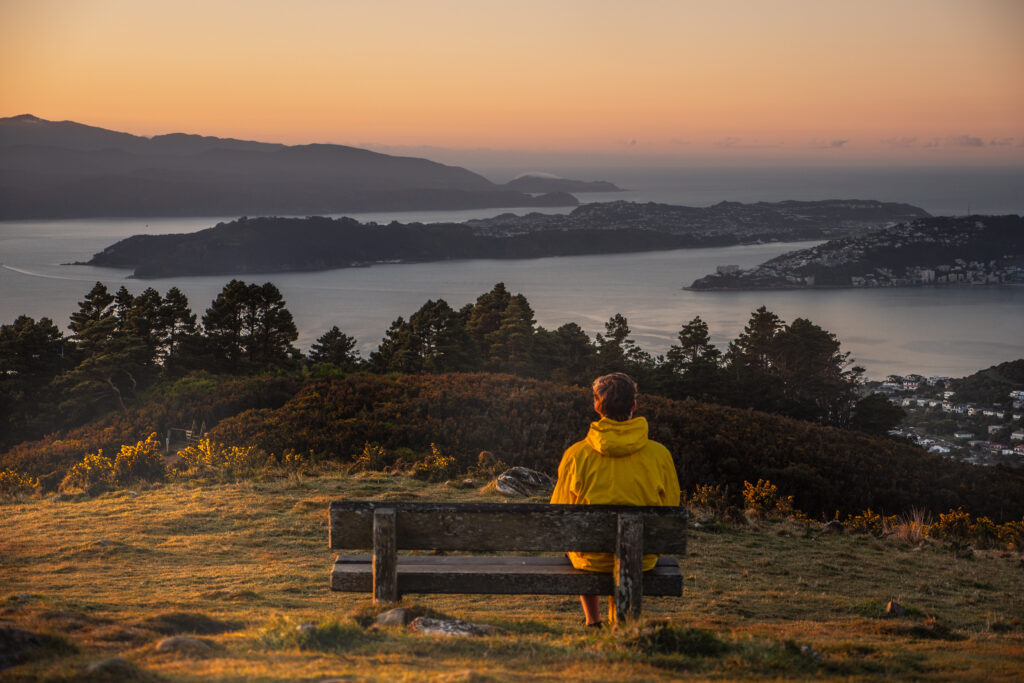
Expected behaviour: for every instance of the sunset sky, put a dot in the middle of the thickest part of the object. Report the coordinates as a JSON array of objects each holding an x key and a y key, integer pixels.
[{"x": 915, "y": 80}]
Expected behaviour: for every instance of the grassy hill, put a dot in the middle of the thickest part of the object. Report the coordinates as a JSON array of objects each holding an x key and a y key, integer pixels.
[
  {"x": 528, "y": 422},
  {"x": 243, "y": 565}
]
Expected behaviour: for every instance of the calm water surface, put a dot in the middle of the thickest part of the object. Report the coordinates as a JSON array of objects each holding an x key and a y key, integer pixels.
[{"x": 947, "y": 331}]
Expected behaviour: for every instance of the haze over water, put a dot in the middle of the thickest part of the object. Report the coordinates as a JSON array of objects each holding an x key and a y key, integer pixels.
[{"x": 947, "y": 331}]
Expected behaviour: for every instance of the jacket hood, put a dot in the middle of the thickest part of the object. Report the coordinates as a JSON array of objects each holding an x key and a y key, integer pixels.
[{"x": 617, "y": 439}]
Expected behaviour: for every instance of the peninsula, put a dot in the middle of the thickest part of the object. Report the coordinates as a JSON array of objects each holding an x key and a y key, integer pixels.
[
  {"x": 968, "y": 250},
  {"x": 269, "y": 245}
]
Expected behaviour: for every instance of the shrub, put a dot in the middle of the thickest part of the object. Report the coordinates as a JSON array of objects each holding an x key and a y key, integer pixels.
[
  {"x": 142, "y": 461},
  {"x": 1011, "y": 535},
  {"x": 94, "y": 474},
  {"x": 867, "y": 522},
  {"x": 436, "y": 466},
  {"x": 714, "y": 499},
  {"x": 763, "y": 498},
  {"x": 984, "y": 533},
  {"x": 957, "y": 526},
  {"x": 222, "y": 461},
  {"x": 14, "y": 484},
  {"x": 954, "y": 526},
  {"x": 374, "y": 458},
  {"x": 293, "y": 460}
]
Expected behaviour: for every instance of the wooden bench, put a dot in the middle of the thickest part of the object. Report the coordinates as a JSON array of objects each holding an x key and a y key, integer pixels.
[{"x": 388, "y": 527}]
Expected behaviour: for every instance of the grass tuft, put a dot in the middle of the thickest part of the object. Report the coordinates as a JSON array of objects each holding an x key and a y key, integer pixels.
[
  {"x": 929, "y": 629},
  {"x": 177, "y": 623},
  {"x": 18, "y": 646},
  {"x": 330, "y": 636},
  {"x": 664, "y": 638}
]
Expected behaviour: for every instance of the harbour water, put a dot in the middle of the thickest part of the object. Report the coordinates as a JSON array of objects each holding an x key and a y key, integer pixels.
[{"x": 944, "y": 331}]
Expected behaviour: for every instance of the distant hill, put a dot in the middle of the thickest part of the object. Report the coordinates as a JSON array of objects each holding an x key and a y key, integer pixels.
[
  {"x": 789, "y": 220},
  {"x": 65, "y": 169},
  {"x": 537, "y": 184},
  {"x": 941, "y": 250},
  {"x": 272, "y": 245},
  {"x": 991, "y": 386}
]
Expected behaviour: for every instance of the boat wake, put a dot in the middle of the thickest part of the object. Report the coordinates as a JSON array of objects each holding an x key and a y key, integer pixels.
[{"x": 45, "y": 276}]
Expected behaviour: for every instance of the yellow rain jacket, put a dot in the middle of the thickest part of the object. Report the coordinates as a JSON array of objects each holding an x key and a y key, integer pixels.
[{"x": 615, "y": 465}]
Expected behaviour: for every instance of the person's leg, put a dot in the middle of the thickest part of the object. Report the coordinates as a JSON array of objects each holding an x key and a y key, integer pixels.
[{"x": 591, "y": 609}]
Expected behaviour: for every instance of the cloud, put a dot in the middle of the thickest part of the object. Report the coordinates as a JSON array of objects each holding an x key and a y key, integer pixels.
[
  {"x": 964, "y": 141},
  {"x": 900, "y": 142},
  {"x": 827, "y": 144},
  {"x": 741, "y": 143},
  {"x": 1002, "y": 142}
]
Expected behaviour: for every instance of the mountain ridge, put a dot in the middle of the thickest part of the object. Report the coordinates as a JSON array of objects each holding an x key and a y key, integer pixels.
[{"x": 67, "y": 169}]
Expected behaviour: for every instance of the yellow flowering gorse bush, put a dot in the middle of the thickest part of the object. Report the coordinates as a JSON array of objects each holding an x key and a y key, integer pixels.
[
  {"x": 219, "y": 459},
  {"x": 14, "y": 483}
]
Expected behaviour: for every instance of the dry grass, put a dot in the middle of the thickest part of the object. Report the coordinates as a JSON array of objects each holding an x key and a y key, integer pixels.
[{"x": 243, "y": 565}]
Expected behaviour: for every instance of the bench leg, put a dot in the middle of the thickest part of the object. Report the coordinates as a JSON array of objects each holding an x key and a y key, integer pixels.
[
  {"x": 385, "y": 556},
  {"x": 628, "y": 569}
]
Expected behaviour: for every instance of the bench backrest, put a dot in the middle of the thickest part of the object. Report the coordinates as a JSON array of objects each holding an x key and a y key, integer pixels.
[{"x": 486, "y": 527}]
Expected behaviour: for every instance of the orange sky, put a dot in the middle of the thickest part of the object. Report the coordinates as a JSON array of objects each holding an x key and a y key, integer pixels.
[{"x": 842, "y": 79}]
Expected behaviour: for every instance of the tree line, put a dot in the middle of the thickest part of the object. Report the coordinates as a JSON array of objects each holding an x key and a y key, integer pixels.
[{"x": 120, "y": 344}]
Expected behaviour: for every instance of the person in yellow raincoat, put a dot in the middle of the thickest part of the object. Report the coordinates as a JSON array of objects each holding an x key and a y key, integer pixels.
[{"x": 616, "y": 464}]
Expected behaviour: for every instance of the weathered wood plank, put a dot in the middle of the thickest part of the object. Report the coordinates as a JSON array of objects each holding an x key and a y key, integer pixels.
[
  {"x": 506, "y": 526},
  {"x": 627, "y": 573},
  {"x": 499, "y": 575},
  {"x": 385, "y": 572},
  {"x": 458, "y": 560}
]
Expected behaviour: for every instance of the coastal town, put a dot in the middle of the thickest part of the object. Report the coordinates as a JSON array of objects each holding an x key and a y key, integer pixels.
[
  {"x": 724, "y": 222},
  {"x": 969, "y": 431},
  {"x": 976, "y": 250}
]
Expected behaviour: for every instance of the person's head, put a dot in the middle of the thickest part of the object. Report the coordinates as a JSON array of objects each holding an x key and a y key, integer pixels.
[{"x": 615, "y": 396}]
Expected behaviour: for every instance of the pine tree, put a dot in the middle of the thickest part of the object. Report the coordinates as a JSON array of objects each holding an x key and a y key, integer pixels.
[
  {"x": 247, "y": 327},
  {"x": 32, "y": 354},
  {"x": 694, "y": 363},
  {"x": 510, "y": 347},
  {"x": 179, "y": 325},
  {"x": 336, "y": 348}
]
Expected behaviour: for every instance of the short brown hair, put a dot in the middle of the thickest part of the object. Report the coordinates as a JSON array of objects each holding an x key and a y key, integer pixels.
[{"x": 614, "y": 396}]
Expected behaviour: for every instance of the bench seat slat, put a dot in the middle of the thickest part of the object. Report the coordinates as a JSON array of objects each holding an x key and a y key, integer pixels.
[
  {"x": 487, "y": 527},
  {"x": 505, "y": 575}
]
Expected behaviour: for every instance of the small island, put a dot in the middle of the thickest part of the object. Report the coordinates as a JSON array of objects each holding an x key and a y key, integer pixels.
[
  {"x": 272, "y": 245},
  {"x": 969, "y": 250},
  {"x": 542, "y": 183}
]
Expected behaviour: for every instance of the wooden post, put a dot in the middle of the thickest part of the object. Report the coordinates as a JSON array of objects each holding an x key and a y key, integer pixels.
[
  {"x": 629, "y": 578},
  {"x": 385, "y": 556}
]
